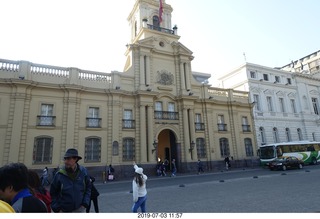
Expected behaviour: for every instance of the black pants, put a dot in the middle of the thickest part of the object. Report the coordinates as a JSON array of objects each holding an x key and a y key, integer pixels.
[{"x": 95, "y": 204}]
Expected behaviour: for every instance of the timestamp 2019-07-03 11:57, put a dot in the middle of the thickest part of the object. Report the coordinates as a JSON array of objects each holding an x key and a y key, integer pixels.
[{"x": 159, "y": 215}]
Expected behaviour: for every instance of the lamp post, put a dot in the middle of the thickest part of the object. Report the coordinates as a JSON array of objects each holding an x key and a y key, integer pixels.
[{"x": 192, "y": 144}]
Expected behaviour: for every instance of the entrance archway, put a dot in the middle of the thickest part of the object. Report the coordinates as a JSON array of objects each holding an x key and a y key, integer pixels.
[{"x": 167, "y": 147}]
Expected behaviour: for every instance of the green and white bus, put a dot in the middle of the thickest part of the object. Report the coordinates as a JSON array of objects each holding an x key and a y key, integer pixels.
[{"x": 308, "y": 151}]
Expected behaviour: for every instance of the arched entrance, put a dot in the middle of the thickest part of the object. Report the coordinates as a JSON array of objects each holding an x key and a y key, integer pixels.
[{"x": 167, "y": 147}]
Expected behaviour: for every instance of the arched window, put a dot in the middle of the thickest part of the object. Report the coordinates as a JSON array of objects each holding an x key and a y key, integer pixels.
[
  {"x": 248, "y": 146},
  {"x": 156, "y": 21},
  {"x": 42, "y": 150},
  {"x": 92, "y": 149},
  {"x": 262, "y": 135},
  {"x": 224, "y": 147},
  {"x": 275, "y": 135},
  {"x": 115, "y": 148},
  {"x": 299, "y": 134},
  {"x": 201, "y": 148},
  {"x": 128, "y": 149},
  {"x": 288, "y": 135}
]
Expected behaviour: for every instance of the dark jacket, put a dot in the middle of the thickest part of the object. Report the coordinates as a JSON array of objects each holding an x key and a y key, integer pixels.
[
  {"x": 94, "y": 192},
  {"x": 24, "y": 202},
  {"x": 67, "y": 193}
]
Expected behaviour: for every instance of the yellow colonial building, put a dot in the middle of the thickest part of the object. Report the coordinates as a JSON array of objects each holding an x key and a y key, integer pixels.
[{"x": 156, "y": 109}]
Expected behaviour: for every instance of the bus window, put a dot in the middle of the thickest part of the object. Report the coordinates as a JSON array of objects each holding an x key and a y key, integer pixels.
[
  {"x": 279, "y": 152},
  {"x": 316, "y": 147},
  {"x": 310, "y": 148}
]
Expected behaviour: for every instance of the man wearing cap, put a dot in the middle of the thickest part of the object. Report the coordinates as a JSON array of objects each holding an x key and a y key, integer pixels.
[
  {"x": 139, "y": 190},
  {"x": 71, "y": 188}
]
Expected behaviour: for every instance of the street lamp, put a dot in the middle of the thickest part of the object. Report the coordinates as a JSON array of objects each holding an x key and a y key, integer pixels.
[{"x": 192, "y": 144}]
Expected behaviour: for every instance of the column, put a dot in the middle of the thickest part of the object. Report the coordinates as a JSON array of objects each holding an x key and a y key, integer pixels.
[
  {"x": 186, "y": 133},
  {"x": 143, "y": 128},
  {"x": 192, "y": 133},
  {"x": 151, "y": 156},
  {"x": 183, "y": 80},
  {"x": 141, "y": 69}
]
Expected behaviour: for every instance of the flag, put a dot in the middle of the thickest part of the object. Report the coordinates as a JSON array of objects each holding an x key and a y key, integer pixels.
[{"x": 160, "y": 11}]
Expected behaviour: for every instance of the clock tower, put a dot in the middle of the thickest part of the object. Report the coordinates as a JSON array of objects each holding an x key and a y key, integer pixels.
[{"x": 155, "y": 57}]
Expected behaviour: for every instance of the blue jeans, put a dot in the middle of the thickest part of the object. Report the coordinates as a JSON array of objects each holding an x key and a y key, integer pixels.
[{"x": 140, "y": 203}]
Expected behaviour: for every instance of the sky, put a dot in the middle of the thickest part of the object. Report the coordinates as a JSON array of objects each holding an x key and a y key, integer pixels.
[{"x": 222, "y": 34}]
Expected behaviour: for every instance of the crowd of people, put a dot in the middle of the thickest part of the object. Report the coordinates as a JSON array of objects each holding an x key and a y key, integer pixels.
[{"x": 71, "y": 188}]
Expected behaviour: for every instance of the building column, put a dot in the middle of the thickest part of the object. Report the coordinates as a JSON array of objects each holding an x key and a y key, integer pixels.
[
  {"x": 142, "y": 73},
  {"x": 183, "y": 80},
  {"x": 143, "y": 136},
  {"x": 192, "y": 133},
  {"x": 186, "y": 132},
  {"x": 151, "y": 156}
]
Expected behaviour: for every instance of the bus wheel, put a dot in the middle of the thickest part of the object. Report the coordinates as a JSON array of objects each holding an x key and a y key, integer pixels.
[
  {"x": 284, "y": 167},
  {"x": 300, "y": 166},
  {"x": 314, "y": 161}
]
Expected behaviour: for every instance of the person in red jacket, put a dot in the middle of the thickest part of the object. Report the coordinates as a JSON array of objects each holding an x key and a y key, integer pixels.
[{"x": 37, "y": 189}]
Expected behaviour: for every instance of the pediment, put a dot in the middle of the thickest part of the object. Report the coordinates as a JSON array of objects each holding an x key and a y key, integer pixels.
[
  {"x": 268, "y": 91},
  {"x": 181, "y": 48},
  {"x": 292, "y": 95},
  {"x": 280, "y": 93},
  {"x": 255, "y": 89},
  {"x": 314, "y": 92}
]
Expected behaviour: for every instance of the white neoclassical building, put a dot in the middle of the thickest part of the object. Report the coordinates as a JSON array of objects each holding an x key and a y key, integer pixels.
[{"x": 286, "y": 100}]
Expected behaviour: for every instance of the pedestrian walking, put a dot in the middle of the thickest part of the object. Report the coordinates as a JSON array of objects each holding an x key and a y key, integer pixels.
[
  {"x": 110, "y": 176},
  {"x": 71, "y": 188},
  {"x": 174, "y": 168},
  {"x": 38, "y": 190},
  {"x": 139, "y": 189},
  {"x": 14, "y": 189},
  {"x": 227, "y": 162},
  {"x": 200, "y": 166},
  {"x": 45, "y": 177},
  {"x": 94, "y": 196}
]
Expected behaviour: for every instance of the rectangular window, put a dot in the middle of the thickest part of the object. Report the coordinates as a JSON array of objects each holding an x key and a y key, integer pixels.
[
  {"x": 42, "y": 151},
  {"x": 201, "y": 148},
  {"x": 288, "y": 80},
  {"x": 269, "y": 102},
  {"x": 171, "y": 113},
  {"x": 128, "y": 122},
  {"x": 92, "y": 150},
  {"x": 281, "y": 103},
  {"x": 265, "y": 77},
  {"x": 293, "y": 105},
  {"x": 252, "y": 74},
  {"x": 93, "y": 120},
  {"x": 198, "y": 123},
  {"x": 256, "y": 100},
  {"x": 245, "y": 124},
  {"x": 221, "y": 123},
  {"x": 46, "y": 117},
  {"x": 277, "y": 79},
  {"x": 315, "y": 105},
  {"x": 128, "y": 149},
  {"x": 171, "y": 107},
  {"x": 158, "y": 114},
  {"x": 158, "y": 106}
]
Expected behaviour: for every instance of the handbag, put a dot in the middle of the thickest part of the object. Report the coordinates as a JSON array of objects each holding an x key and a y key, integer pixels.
[{"x": 110, "y": 177}]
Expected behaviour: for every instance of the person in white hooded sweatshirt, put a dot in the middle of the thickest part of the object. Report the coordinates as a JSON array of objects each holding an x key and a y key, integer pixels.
[{"x": 139, "y": 189}]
